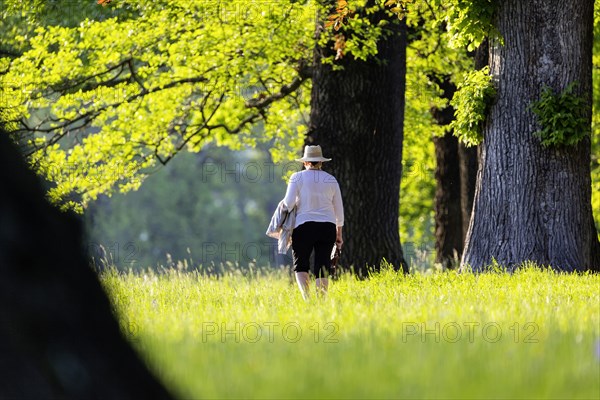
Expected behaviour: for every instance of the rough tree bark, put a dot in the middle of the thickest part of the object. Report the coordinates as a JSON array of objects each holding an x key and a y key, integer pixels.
[
  {"x": 357, "y": 117},
  {"x": 58, "y": 335},
  {"x": 533, "y": 203}
]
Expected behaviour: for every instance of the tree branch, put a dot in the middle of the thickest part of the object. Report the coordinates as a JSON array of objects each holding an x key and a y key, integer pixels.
[{"x": 264, "y": 101}]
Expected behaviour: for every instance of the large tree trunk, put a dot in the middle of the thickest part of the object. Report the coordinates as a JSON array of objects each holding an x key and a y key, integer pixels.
[
  {"x": 357, "y": 117},
  {"x": 58, "y": 335},
  {"x": 534, "y": 203}
]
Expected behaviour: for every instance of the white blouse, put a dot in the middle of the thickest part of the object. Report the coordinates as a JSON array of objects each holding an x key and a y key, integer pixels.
[{"x": 317, "y": 196}]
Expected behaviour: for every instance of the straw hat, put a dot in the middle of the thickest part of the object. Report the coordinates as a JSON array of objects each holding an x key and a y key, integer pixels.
[{"x": 313, "y": 153}]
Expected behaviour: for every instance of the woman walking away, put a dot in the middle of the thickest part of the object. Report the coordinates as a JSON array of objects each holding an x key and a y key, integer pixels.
[{"x": 319, "y": 219}]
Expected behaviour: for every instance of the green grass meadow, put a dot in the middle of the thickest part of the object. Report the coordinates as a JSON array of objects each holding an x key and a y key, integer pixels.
[{"x": 531, "y": 334}]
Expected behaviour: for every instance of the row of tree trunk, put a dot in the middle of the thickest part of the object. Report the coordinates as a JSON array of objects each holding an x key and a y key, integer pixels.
[{"x": 524, "y": 203}]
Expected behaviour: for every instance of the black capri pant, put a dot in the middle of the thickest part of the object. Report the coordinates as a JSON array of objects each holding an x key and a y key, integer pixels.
[{"x": 317, "y": 236}]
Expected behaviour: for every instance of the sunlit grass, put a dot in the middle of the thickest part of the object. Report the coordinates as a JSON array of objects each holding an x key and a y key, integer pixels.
[{"x": 534, "y": 333}]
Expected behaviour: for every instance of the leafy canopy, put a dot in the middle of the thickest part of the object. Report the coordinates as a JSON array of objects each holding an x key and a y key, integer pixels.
[
  {"x": 102, "y": 100},
  {"x": 470, "y": 22},
  {"x": 101, "y": 104}
]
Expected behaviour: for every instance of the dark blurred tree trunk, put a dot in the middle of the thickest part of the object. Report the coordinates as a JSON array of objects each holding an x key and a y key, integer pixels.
[
  {"x": 455, "y": 175},
  {"x": 447, "y": 203},
  {"x": 357, "y": 117},
  {"x": 467, "y": 158},
  {"x": 534, "y": 203},
  {"x": 58, "y": 335}
]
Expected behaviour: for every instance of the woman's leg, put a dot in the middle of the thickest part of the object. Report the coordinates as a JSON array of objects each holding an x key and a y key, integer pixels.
[
  {"x": 323, "y": 247},
  {"x": 302, "y": 279},
  {"x": 301, "y": 248},
  {"x": 322, "y": 286}
]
